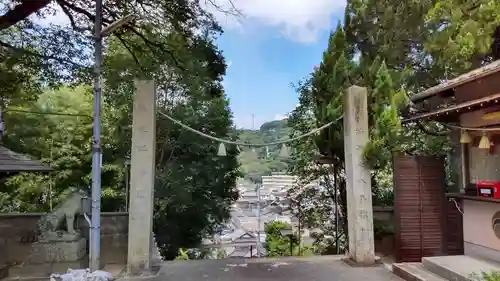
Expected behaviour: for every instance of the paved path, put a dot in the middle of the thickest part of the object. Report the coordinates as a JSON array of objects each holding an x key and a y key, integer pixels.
[{"x": 286, "y": 269}]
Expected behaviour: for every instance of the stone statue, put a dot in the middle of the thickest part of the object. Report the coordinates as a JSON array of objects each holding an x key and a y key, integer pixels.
[{"x": 50, "y": 226}]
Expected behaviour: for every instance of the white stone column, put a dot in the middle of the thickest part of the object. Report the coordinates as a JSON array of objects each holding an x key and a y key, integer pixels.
[
  {"x": 358, "y": 184},
  {"x": 142, "y": 177}
]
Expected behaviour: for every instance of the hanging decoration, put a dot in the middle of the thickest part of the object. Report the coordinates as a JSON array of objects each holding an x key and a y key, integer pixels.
[
  {"x": 284, "y": 151},
  {"x": 465, "y": 137},
  {"x": 484, "y": 143},
  {"x": 2, "y": 124},
  {"x": 222, "y": 150},
  {"x": 222, "y": 142},
  {"x": 254, "y": 153}
]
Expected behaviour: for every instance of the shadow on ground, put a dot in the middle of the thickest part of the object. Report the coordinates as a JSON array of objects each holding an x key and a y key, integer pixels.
[{"x": 326, "y": 268}]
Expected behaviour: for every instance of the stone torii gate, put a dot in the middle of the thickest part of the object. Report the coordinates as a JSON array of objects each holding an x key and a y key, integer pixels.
[
  {"x": 359, "y": 200},
  {"x": 142, "y": 177},
  {"x": 358, "y": 181}
]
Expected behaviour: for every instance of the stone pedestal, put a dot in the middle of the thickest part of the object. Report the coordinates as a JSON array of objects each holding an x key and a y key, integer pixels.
[
  {"x": 358, "y": 181},
  {"x": 4, "y": 270},
  {"x": 57, "y": 251},
  {"x": 142, "y": 178},
  {"x": 47, "y": 257}
]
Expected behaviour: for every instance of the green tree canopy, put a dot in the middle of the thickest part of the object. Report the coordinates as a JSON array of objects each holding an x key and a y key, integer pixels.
[
  {"x": 172, "y": 43},
  {"x": 276, "y": 244}
]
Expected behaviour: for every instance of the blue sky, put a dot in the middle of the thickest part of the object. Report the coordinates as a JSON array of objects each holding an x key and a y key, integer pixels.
[
  {"x": 261, "y": 70},
  {"x": 271, "y": 48}
]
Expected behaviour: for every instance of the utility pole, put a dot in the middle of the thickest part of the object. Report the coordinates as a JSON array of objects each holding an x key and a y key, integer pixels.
[
  {"x": 99, "y": 34},
  {"x": 1, "y": 125},
  {"x": 258, "y": 220},
  {"x": 95, "y": 233},
  {"x": 299, "y": 226}
]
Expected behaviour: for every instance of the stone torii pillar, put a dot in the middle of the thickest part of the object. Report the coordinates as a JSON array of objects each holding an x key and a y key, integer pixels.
[
  {"x": 358, "y": 182},
  {"x": 142, "y": 177}
]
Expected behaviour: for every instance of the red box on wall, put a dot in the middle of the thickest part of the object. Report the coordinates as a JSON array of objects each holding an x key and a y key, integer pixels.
[{"x": 488, "y": 189}]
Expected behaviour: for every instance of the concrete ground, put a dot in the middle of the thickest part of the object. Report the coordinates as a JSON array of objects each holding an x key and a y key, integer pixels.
[{"x": 327, "y": 268}]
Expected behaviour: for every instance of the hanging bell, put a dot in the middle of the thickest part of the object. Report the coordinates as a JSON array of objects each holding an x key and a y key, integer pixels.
[
  {"x": 484, "y": 143},
  {"x": 465, "y": 137},
  {"x": 222, "y": 150},
  {"x": 284, "y": 151}
]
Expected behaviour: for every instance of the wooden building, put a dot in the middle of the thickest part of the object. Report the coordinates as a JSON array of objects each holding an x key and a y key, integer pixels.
[
  {"x": 12, "y": 162},
  {"x": 469, "y": 106}
]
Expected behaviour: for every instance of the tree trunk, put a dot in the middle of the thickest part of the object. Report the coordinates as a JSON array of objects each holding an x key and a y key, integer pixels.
[{"x": 21, "y": 11}]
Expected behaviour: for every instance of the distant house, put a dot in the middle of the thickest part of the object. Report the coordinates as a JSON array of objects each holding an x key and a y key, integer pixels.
[
  {"x": 244, "y": 246},
  {"x": 12, "y": 163}
]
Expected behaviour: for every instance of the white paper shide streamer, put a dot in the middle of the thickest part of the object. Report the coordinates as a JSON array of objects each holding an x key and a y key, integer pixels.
[{"x": 82, "y": 275}]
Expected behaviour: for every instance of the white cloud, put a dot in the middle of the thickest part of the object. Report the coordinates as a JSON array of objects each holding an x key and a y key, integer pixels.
[
  {"x": 280, "y": 117},
  {"x": 300, "y": 20}
]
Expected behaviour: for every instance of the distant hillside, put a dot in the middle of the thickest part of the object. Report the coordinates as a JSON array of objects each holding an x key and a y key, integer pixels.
[{"x": 259, "y": 162}]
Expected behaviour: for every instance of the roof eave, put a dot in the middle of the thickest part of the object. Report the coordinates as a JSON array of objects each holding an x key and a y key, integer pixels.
[{"x": 475, "y": 74}]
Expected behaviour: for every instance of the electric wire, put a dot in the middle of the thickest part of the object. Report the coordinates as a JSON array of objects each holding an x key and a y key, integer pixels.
[
  {"x": 47, "y": 113},
  {"x": 283, "y": 141}
]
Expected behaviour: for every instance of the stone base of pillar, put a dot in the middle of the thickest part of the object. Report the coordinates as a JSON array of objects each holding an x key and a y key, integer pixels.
[
  {"x": 353, "y": 263},
  {"x": 151, "y": 272}
]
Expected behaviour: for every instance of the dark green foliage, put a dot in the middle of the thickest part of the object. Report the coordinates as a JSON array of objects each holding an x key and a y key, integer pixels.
[
  {"x": 176, "y": 47},
  {"x": 381, "y": 229},
  {"x": 486, "y": 276},
  {"x": 63, "y": 143}
]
